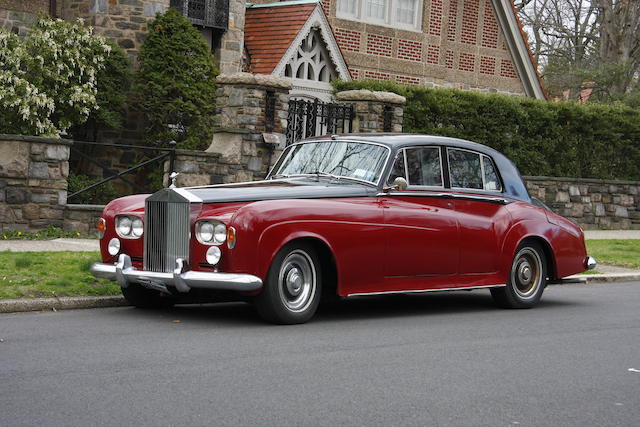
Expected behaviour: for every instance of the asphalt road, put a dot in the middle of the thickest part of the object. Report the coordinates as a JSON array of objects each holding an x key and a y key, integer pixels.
[{"x": 436, "y": 360}]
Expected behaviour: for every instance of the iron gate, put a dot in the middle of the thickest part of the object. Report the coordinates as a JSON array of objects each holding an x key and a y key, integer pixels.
[{"x": 315, "y": 118}]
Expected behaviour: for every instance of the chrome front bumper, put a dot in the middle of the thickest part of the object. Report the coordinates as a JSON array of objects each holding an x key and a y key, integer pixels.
[
  {"x": 590, "y": 263},
  {"x": 124, "y": 273}
]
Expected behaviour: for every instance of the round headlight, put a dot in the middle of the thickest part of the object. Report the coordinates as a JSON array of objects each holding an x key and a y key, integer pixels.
[
  {"x": 220, "y": 233},
  {"x": 124, "y": 225},
  {"x": 137, "y": 227},
  {"x": 205, "y": 232},
  {"x": 213, "y": 255},
  {"x": 113, "y": 247}
]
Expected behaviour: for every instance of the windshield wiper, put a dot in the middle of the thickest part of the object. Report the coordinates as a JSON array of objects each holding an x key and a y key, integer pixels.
[
  {"x": 280, "y": 175},
  {"x": 326, "y": 174}
]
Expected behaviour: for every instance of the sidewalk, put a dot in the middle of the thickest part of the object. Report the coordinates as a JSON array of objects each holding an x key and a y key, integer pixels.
[{"x": 55, "y": 245}]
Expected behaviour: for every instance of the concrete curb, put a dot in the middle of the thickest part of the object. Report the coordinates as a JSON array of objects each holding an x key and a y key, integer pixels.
[
  {"x": 62, "y": 303},
  {"x": 603, "y": 278}
]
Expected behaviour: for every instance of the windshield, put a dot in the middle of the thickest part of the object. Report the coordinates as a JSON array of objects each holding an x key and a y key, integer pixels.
[{"x": 355, "y": 160}]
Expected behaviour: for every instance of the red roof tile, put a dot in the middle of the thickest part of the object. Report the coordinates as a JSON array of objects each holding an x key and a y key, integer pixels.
[{"x": 269, "y": 31}]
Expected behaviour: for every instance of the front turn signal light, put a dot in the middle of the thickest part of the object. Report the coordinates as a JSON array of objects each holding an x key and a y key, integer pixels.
[
  {"x": 101, "y": 226},
  {"x": 231, "y": 237}
]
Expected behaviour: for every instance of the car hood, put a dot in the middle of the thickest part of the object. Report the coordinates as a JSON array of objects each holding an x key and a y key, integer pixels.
[{"x": 291, "y": 188}]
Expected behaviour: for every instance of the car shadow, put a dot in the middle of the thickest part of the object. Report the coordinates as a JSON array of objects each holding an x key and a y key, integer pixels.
[{"x": 361, "y": 307}]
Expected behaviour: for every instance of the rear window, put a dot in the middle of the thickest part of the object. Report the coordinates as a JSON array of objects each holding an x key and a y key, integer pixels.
[{"x": 471, "y": 170}]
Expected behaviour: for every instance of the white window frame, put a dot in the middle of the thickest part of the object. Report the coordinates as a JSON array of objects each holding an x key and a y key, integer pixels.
[{"x": 390, "y": 19}]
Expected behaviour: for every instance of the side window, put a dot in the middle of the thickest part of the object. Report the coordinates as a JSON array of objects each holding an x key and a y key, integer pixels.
[
  {"x": 465, "y": 169},
  {"x": 398, "y": 169},
  {"x": 424, "y": 166},
  {"x": 491, "y": 181}
]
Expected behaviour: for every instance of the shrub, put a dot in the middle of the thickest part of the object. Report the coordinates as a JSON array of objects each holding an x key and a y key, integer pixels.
[
  {"x": 48, "y": 81},
  {"x": 175, "y": 85},
  {"x": 542, "y": 138},
  {"x": 100, "y": 195}
]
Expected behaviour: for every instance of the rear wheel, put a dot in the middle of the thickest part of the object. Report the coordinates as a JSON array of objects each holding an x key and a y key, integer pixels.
[
  {"x": 292, "y": 291},
  {"x": 142, "y": 297},
  {"x": 527, "y": 278}
]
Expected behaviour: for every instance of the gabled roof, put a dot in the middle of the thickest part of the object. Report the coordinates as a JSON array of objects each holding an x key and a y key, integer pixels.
[{"x": 271, "y": 28}]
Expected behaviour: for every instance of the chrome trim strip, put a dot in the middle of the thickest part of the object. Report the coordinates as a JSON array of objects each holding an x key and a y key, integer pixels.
[
  {"x": 188, "y": 195},
  {"x": 125, "y": 273},
  {"x": 499, "y": 200},
  {"x": 467, "y": 288},
  {"x": 415, "y": 194}
]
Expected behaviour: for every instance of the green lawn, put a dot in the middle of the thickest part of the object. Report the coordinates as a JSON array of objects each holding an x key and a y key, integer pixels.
[
  {"x": 51, "y": 274},
  {"x": 625, "y": 253}
]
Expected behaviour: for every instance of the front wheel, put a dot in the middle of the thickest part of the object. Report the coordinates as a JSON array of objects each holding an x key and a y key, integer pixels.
[
  {"x": 292, "y": 291},
  {"x": 527, "y": 279}
]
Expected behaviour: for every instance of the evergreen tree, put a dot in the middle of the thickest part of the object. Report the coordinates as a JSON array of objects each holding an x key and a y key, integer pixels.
[{"x": 175, "y": 85}]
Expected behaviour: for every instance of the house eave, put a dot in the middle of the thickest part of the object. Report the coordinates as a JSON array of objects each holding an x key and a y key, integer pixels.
[{"x": 519, "y": 49}]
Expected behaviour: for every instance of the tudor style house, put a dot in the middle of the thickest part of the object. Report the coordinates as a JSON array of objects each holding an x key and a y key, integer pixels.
[{"x": 465, "y": 44}]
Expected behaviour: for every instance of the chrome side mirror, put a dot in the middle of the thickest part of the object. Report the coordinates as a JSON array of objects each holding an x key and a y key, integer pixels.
[{"x": 399, "y": 184}]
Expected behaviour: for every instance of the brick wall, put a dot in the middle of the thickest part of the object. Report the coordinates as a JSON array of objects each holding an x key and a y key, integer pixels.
[{"x": 460, "y": 45}]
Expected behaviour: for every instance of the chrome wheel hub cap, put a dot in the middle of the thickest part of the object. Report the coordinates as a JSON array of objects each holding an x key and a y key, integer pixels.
[
  {"x": 294, "y": 282},
  {"x": 297, "y": 281},
  {"x": 526, "y": 273}
]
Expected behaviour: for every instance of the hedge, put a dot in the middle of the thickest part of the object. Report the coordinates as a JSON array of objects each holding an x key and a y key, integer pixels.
[{"x": 542, "y": 138}]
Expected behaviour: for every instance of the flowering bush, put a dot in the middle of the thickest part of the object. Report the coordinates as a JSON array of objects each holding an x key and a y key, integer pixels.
[{"x": 48, "y": 81}]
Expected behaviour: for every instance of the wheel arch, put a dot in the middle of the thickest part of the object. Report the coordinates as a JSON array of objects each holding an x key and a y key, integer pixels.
[
  {"x": 325, "y": 254},
  {"x": 548, "y": 252}
]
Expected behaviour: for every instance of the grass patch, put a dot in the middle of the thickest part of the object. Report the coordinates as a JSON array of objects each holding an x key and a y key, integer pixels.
[
  {"x": 51, "y": 274},
  {"x": 48, "y": 233},
  {"x": 624, "y": 253}
]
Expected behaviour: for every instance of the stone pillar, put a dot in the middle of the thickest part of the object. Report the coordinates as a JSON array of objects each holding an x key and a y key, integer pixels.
[
  {"x": 33, "y": 182},
  {"x": 229, "y": 56},
  {"x": 246, "y": 139},
  {"x": 370, "y": 108}
]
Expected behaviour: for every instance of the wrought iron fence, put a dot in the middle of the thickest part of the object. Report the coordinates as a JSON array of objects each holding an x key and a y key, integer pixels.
[
  {"x": 314, "y": 118},
  {"x": 207, "y": 13},
  {"x": 165, "y": 153}
]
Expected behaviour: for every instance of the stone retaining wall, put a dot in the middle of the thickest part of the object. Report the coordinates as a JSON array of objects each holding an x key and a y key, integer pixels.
[
  {"x": 591, "y": 203},
  {"x": 82, "y": 219},
  {"x": 33, "y": 182}
]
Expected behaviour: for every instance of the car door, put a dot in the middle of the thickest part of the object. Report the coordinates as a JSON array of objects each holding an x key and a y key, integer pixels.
[
  {"x": 421, "y": 231},
  {"x": 482, "y": 217}
]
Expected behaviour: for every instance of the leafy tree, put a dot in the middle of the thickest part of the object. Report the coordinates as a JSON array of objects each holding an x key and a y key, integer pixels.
[
  {"x": 175, "y": 85},
  {"x": 112, "y": 92},
  {"x": 48, "y": 82},
  {"x": 585, "y": 44}
]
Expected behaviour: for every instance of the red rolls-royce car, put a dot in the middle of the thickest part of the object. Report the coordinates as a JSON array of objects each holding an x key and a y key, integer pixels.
[{"x": 343, "y": 216}]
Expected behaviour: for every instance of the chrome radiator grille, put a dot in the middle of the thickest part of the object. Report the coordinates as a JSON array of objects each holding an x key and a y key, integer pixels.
[{"x": 166, "y": 234}]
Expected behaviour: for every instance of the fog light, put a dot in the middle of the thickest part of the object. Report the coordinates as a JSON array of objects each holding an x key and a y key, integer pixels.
[
  {"x": 213, "y": 255},
  {"x": 113, "y": 247}
]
